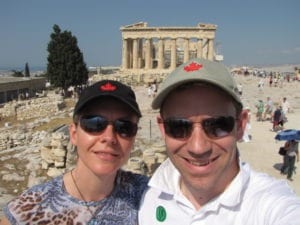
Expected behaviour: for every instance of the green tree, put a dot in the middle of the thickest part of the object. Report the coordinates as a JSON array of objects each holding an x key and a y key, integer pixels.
[
  {"x": 27, "y": 73},
  {"x": 66, "y": 66}
]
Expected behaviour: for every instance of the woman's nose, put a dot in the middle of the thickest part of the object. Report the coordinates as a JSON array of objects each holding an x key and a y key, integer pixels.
[{"x": 109, "y": 134}]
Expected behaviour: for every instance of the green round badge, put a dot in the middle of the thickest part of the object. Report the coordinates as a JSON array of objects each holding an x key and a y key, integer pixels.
[{"x": 161, "y": 214}]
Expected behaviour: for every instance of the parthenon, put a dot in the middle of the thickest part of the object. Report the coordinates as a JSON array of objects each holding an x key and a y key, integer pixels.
[{"x": 163, "y": 48}]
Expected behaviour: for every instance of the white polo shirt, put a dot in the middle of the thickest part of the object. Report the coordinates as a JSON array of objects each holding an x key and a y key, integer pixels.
[{"x": 251, "y": 199}]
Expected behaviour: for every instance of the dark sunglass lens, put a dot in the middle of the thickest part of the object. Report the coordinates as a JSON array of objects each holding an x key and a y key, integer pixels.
[
  {"x": 178, "y": 128},
  {"x": 218, "y": 127},
  {"x": 93, "y": 124},
  {"x": 125, "y": 128}
]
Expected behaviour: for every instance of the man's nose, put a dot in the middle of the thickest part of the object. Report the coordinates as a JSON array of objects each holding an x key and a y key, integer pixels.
[{"x": 198, "y": 142}]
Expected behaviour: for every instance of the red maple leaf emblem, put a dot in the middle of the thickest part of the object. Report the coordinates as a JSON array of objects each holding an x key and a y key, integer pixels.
[
  {"x": 192, "y": 67},
  {"x": 108, "y": 87}
]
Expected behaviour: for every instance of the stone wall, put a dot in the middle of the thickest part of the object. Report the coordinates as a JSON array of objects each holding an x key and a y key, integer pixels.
[
  {"x": 133, "y": 78},
  {"x": 57, "y": 154},
  {"x": 41, "y": 107},
  {"x": 21, "y": 136}
]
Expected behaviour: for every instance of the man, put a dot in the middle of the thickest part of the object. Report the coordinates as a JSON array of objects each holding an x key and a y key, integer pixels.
[
  {"x": 292, "y": 154},
  {"x": 203, "y": 181}
]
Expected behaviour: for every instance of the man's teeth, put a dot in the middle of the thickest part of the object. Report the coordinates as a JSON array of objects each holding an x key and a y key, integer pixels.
[{"x": 196, "y": 163}]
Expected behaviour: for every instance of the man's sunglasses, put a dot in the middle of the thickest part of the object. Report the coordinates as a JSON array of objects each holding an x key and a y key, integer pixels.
[
  {"x": 214, "y": 128},
  {"x": 96, "y": 124}
]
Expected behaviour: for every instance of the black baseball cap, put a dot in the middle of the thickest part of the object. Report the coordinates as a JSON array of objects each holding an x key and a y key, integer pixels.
[{"x": 108, "y": 88}]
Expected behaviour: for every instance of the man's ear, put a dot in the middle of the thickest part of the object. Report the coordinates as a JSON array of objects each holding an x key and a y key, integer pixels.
[
  {"x": 241, "y": 124},
  {"x": 160, "y": 123}
]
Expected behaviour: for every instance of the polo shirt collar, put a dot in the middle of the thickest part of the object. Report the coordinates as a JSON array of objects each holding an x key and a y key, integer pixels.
[{"x": 166, "y": 179}]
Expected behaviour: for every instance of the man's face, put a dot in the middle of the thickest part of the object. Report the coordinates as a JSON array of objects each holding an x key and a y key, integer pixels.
[{"x": 206, "y": 162}]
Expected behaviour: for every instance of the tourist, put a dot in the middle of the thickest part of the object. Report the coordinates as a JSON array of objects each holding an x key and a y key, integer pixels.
[
  {"x": 270, "y": 80},
  {"x": 278, "y": 119},
  {"x": 268, "y": 109},
  {"x": 260, "y": 109},
  {"x": 203, "y": 181},
  {"x": 261, "y": 84},
  {"x": 247, "y": 136},
  {"x": 149, "y": 90},
  {"x": 281, "y": 80},
  {"x": 290, "y": 157},
  {"x": 285, "y": 106},
  {"x": 97, "y": 190},
  {"x": 240, "y": 88}
]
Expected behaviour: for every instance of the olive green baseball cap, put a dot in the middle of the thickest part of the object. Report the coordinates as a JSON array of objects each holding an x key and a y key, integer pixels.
[{"x": 198, "y": 70}]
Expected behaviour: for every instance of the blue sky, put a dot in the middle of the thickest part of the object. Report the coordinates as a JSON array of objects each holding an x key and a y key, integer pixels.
[{"x": 250, "y": 32}]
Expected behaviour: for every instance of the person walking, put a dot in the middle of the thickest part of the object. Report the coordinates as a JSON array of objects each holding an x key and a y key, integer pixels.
[
  {"x": 285, "y": 106},
  {"x": 268, "y": 109},
  {"x": 260, "y": 109},
  {"x": 97, "y": 190},
  {"x": 204, "y": 180},
  {"x": 277, "y": 119},
  {"x": 292, "y": 154},
  {"x": 247, "y": 136}
]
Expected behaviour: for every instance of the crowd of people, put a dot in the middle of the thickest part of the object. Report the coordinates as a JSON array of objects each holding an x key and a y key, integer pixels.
[
  {"x": 201, "y": 118},
  {"x": 276, "y": 112}
]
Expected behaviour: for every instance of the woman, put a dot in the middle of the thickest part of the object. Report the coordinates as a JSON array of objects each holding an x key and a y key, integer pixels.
[{"x": 96, "y": 191}]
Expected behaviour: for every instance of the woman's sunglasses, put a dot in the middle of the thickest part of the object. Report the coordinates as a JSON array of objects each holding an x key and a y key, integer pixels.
[
  {"x": 96, "y": 124},
  {"x": 218, "y": 127}
]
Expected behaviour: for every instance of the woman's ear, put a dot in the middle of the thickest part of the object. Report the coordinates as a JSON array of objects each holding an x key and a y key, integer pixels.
[{"x": 73, "y": 133}]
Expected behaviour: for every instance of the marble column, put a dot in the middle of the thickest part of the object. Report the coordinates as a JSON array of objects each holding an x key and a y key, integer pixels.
[
  {"x": 135, "y": 54},
  {"x": 210, "y": 49},
  {"x": 160, "y": 54},
  {"x": 130, "y": 58},
  {"x": 147, "y": 54},
  {"x": 199, "y": 48},
  {"x": 186, "y": 50},
  {"x": 173, "y": 54},
  {"x": 151, "y": 53},
  {"x": 124, "y": 54},
  {"x": 140, "y": 52},
  {"x": 205, "y": 49}
]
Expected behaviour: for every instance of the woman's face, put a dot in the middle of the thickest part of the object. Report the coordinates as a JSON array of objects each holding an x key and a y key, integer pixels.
[{"x": 103, "y": 152}]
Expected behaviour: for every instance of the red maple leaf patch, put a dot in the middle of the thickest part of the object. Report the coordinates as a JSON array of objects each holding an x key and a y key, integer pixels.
[
  {"x": 108, "y": 87},
  {"x": 192, "y": 67}
]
